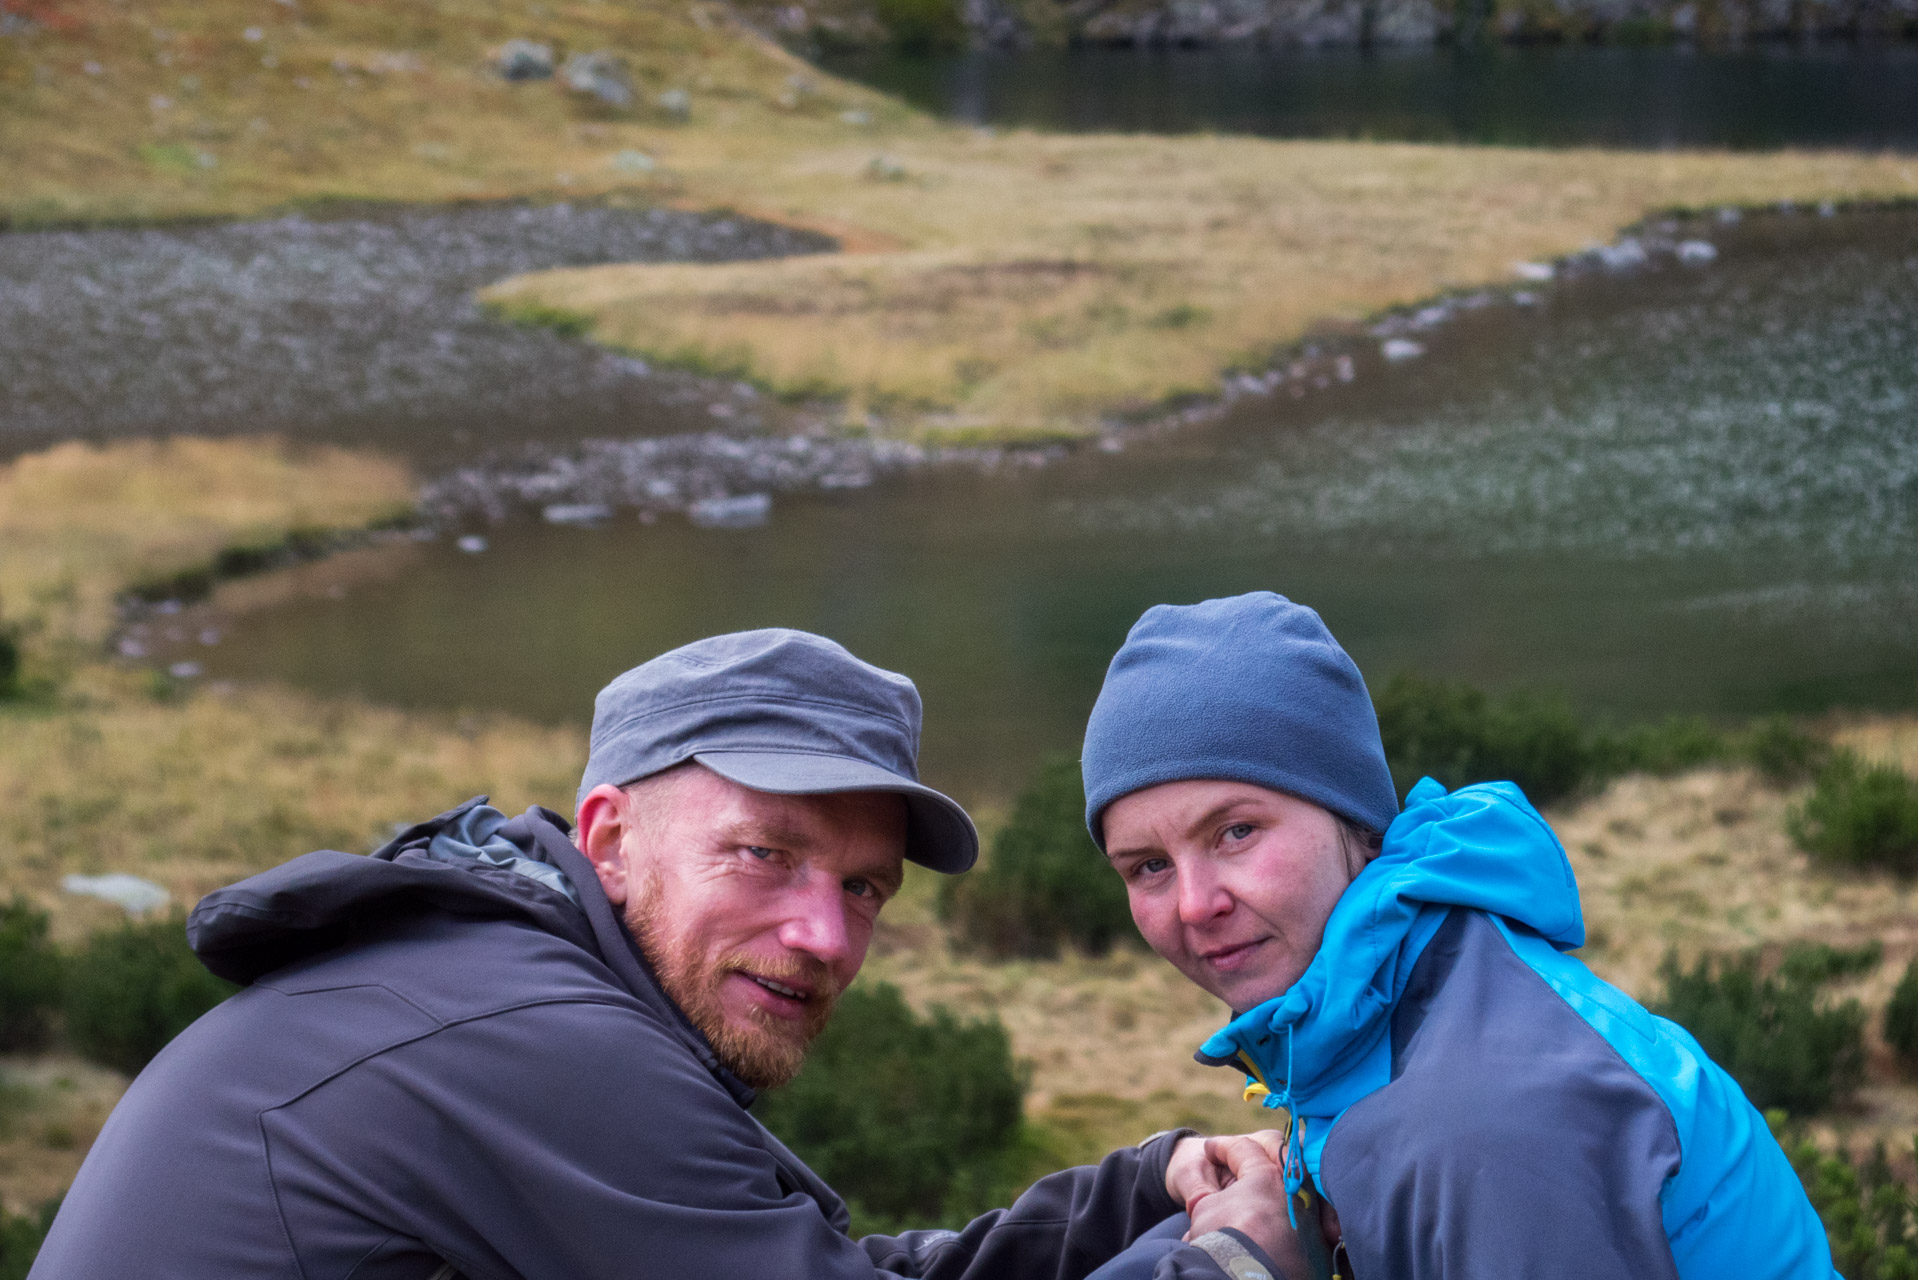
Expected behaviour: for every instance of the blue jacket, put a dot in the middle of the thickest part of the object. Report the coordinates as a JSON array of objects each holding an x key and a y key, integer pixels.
[
  {"x": 450, "y": 1059},
  {"x": 1475, "y": 1103}
]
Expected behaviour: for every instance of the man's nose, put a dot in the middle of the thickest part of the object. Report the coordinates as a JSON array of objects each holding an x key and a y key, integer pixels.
[{"x": 816, "y": 923}]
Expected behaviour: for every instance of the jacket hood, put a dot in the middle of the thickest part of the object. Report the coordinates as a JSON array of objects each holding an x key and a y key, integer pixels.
[
  {"x": 312, "y": 903},
  {"x": 1482, "y": 847}
]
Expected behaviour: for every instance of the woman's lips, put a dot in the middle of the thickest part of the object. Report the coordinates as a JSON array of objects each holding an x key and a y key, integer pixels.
[{"x": 1229, "y": 958}]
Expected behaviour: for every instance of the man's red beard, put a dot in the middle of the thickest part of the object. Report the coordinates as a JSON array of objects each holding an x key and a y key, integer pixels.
[{"x": 767, "y": 1053}]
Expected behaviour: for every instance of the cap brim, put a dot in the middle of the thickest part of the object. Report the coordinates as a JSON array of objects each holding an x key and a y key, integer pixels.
[{"x": 939, "y": 834}]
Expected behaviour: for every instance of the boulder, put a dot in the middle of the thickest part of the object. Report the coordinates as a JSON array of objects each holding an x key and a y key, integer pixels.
[
  {"x": 525, "y": 60},
  {"x": 601, "y": 74}
]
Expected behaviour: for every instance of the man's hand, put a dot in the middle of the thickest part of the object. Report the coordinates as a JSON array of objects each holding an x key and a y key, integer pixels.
[{"x": 1250, "y": 1198}]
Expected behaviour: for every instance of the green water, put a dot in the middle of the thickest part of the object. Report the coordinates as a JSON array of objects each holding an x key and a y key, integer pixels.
[{"x": 1688, "y": 490}]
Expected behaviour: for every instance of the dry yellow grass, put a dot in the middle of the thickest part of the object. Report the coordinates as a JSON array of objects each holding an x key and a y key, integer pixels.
[
  {"x": 199, "y": 792},
  {"x": 78, "y": 523},
  {"x": 1045, "y": 279}
]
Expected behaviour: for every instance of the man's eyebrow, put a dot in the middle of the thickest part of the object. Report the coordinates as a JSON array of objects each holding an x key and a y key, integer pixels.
[
  {"x": 768, "y": 833},
  {"x": 888, "y": 877}
]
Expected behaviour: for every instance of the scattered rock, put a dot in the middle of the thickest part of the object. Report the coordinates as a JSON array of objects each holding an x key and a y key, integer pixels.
[
  {"x": 472, "y": 544},
  {"x": 634, "y": 162},
  {"x": 585, "y": 514},
  {"x": 133, "y": 895},
  {"x": 1697, "y": 252},
  {"x": 1397, "y": 349},
  {"x": 856, "y": 118},
  {"x": 525, "y": 60},
  {"x": 742, "y": 512},
  {"x": 1624, "y": 255},
  {"x": 601, "y": 74},
  {"x": 885, "y": 169},
  {"x": 1535, "y": 272},
  {"x": 676, "y": 103},
  {"x": 184, "y": 670}
]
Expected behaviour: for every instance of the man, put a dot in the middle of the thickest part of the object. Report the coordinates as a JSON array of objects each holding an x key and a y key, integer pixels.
[
  {"x": 489, "y": 1051},
  {"x": 1468, "y": 1098}
]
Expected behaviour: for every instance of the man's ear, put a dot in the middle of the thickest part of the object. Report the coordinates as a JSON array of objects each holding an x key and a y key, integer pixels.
[{"x": 601, "y": 834}]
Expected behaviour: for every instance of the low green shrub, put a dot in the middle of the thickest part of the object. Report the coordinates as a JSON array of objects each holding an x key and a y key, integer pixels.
[
  {"x": 1815, "y": 963},
  {"x": 1860, "y": 814},
  {"x": 916, "y": 1121},
  {"x": 130, "y": 990},
  {"x": 1866, "y": 1210},
  {"x": 29, "y": 977},
  {"x": 20, "y": 1238},
  {"x": 9, "y": 663},
  {"x": 1662, "y": 747},
  {"x": 1046, "y": 883},
  {"x": 1457, "y": 734},
  {"x": 1783, "y": 752},
  {"x": 1901, "y": 1018},
  {"x": 1771, "y": 1032}
]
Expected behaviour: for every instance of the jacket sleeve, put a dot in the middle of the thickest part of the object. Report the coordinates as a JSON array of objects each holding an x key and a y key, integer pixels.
[
  {"x": 581, "y": 1141},
  {"x": 1060, "y": 1229}
]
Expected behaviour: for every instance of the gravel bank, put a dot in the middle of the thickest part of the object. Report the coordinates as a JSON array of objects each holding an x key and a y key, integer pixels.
[{"x": 358, "y": 328}]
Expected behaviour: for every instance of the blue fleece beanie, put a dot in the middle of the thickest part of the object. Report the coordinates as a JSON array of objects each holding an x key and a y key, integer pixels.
[{"x": 1247, "y": 689}]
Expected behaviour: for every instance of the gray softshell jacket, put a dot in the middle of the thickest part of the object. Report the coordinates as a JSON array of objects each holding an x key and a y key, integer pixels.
[{"x": 461, "y": 1065}]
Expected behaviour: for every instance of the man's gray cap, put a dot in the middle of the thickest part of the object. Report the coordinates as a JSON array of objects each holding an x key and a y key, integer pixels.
[{"x": 785, "y": 712}]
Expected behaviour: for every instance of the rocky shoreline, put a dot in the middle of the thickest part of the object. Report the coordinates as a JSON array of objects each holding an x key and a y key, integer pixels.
[{"x": 1322, "y": 24}]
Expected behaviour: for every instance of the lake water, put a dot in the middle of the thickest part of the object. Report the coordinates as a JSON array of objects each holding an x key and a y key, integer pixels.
[
  {"x": 1688, "y": 489},
  {"x": 1836, "y": 96}
]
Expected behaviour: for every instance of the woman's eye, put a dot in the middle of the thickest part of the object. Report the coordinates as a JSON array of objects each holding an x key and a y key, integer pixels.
[{"x": 1150, "y": 866}]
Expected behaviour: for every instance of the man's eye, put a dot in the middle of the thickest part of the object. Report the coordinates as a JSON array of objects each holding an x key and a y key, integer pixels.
[
  {"x": 759, "y": 851},
  {"x": 1239, "y": 831},
  {"x": 860, "y": 888}
]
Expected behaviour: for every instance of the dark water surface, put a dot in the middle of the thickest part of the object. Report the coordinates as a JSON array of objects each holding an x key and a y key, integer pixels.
[
  {"x": 1837, "y": 96},
  {"x": 1692, "y": 489}
]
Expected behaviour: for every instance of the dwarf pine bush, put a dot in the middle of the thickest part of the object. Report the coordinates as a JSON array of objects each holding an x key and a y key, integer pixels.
[
  {"x": 914, "y": 1120},
  {"x": 1866, "y": 1210},
  {"x": 130, "y": 990},
  {"x": 1901, "y": 1018},
  {"x": 20, "y": 1238},
  {"x": 1859, "y": 814},
  {"x": 9, "y": 663},
  {"x": 29, "y": 977},
  {"x": 1045, "y": 884},
  {"x": 1771, "y": 1032},
  {"x": 1458, "y": 734}
]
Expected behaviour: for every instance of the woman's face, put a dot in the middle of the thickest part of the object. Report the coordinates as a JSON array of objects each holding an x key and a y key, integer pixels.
[{"x": 1231, "y": 882}]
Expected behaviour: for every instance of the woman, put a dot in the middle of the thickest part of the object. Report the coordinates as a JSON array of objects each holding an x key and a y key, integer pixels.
[{"x": 1469, "y": 1099}]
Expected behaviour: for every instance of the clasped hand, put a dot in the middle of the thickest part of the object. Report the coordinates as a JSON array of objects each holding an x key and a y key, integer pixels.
[{"x": 1238, "y": 1182}]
